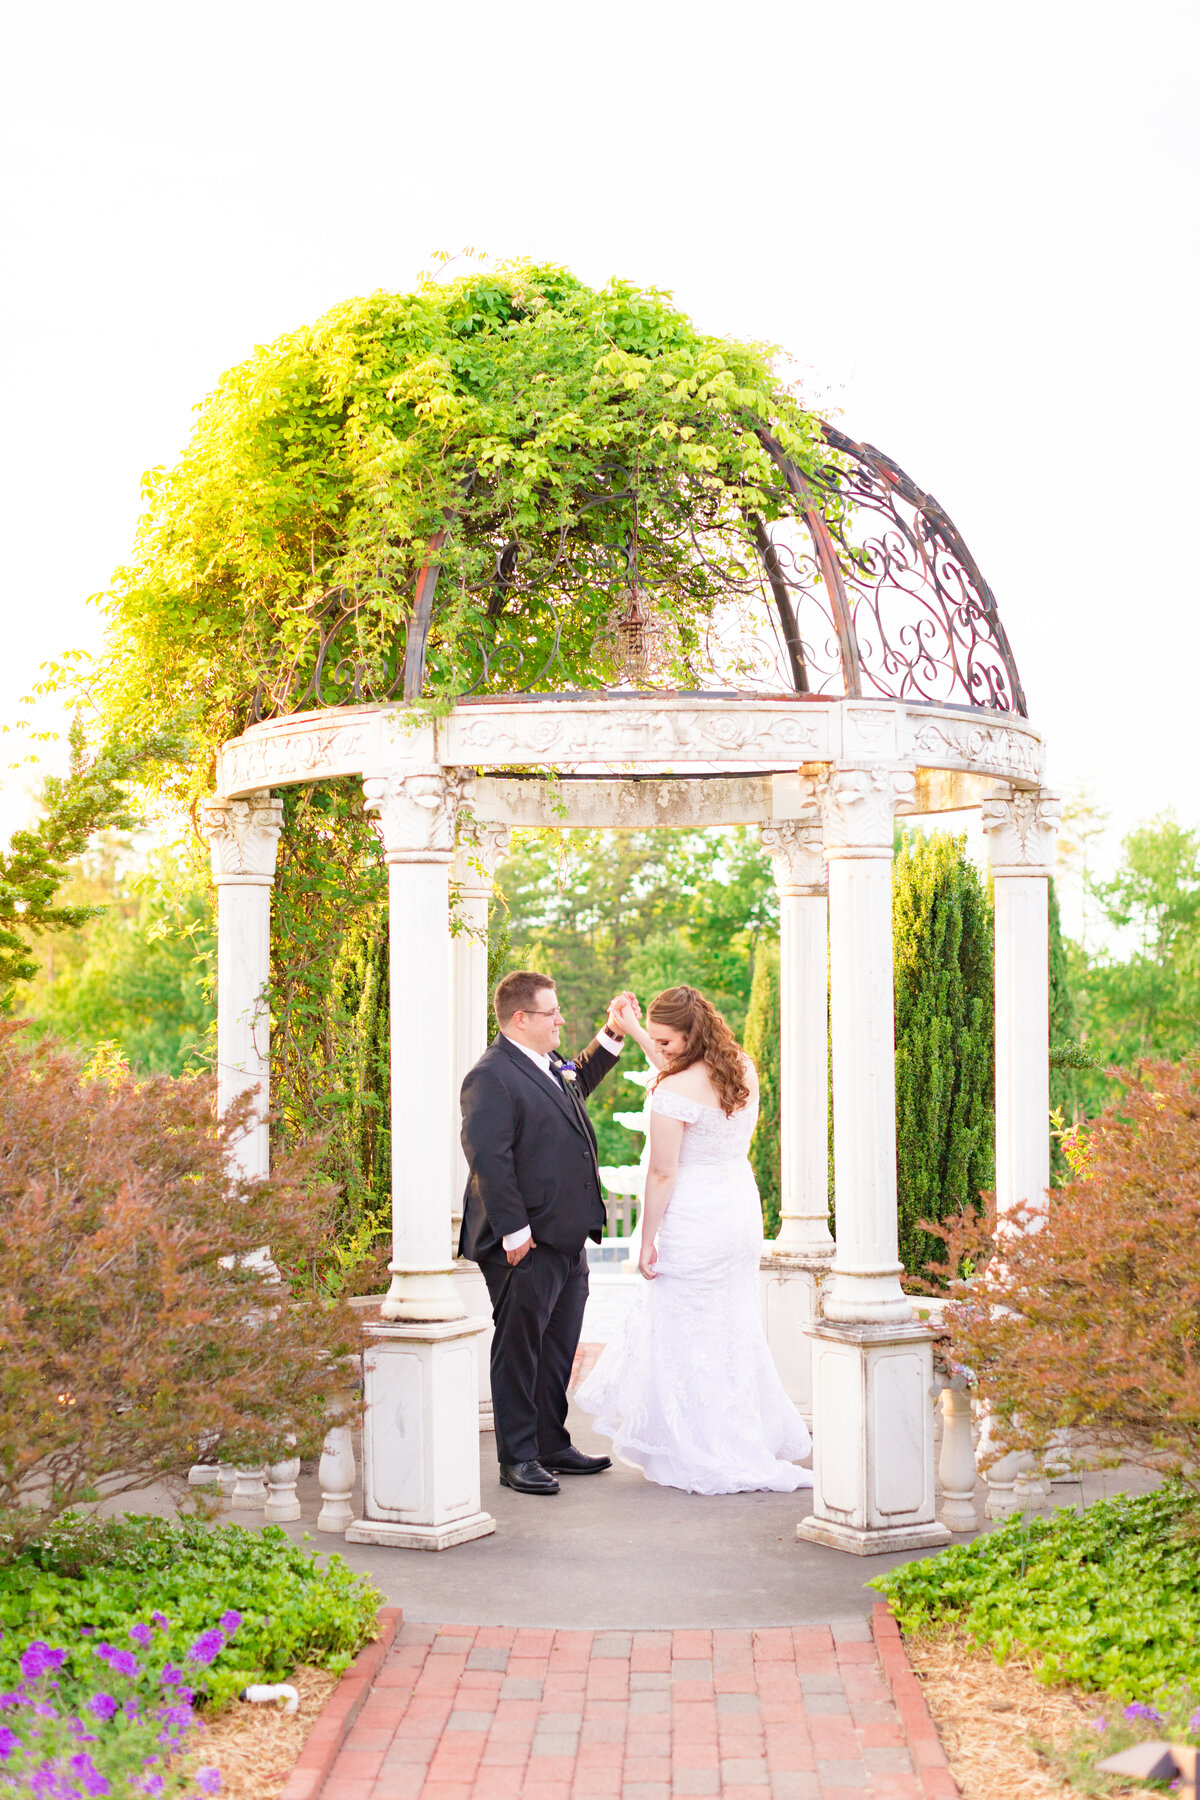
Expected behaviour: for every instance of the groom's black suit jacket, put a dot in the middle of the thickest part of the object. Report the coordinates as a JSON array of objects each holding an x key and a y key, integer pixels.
[{"x": 531, "y": 1151}]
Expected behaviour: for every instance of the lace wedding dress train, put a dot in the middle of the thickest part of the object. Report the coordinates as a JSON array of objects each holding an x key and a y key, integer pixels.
[{"x": 688, "y": 1392}]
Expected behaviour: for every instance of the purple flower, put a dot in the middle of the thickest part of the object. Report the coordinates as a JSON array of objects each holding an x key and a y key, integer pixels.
[
  {"x": 7, "y": 1701},
  {"x": 93, "y": 1781},
  {"x": 86, "y": 1630},
  {"x": 230, "y": 1620},
  {"x": 8, "y": 1742},
  {"x": 207, "y": 1647},
  {"x": 102, "y": 1707},
  {"x": 124, "y": 1662},
  {"x": 208, "y": 1781},
  {"x": 45, "y": 1711},
  {"x": 1139, "y": 1710},
  {"x": 1194, "y": 1724},
  {"x": 1100, "y": 1724},
  {"x": 130, "y": 1708},
  {"x": 161, "y": 1620},
  {"x": 141, "y": 1634},
  {"x": 171, "y": 1675},
  {"x": 40, "y": 1660},
  {"x": 153, "y": 1784}
]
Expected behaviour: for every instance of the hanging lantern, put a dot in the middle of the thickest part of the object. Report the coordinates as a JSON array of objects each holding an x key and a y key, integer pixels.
[{"x": 636, "y": 644}]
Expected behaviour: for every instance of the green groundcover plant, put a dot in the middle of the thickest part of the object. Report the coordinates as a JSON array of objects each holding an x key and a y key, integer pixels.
[
  {"x": 119, "y": 1634},
  {"x": 1107, "y": 1599}
]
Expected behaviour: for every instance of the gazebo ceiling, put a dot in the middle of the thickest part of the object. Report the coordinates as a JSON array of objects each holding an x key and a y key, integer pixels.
[{"x": 864, "y": 590}]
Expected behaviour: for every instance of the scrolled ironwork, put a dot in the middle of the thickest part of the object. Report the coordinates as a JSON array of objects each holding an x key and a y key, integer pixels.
[{"x": 862, "y": 586}]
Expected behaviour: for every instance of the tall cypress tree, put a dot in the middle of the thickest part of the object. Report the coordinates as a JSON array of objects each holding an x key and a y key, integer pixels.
[
  {"x": 762, "y": 1047},
  {"x": 942, "y": 926}
]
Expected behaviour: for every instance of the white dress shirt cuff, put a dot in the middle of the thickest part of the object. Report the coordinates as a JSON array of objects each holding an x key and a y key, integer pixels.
[
  {"x": 512, "y": 1240},
  {"x": 612, "y": 1044}
]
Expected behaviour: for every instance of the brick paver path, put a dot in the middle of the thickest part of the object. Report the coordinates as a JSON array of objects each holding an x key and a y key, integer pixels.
[{"x": 494, "y": 1714}]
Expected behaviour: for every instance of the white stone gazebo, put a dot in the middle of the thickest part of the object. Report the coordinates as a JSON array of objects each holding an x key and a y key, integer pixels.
[{"x": 823, "y": 775}]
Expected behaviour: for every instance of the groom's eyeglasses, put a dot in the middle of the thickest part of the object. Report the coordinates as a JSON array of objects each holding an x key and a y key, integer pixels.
[{"x": 539, "y": 1012}]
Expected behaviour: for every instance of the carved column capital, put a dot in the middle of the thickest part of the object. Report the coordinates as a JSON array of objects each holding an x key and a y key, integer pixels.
[
  {"x": 243, "y": 836},
  {"x": 481, "y": 845},
  {"x": 417, "y": 813},
  {"x": 859, "y": 807},
  {"x": 1021, "y": 829},
  {"x": 796, "y": 848}
]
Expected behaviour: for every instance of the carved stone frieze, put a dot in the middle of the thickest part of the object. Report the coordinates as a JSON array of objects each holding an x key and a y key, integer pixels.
[
  {"x": 859, "y": 806},
  {"x": 796, "y": 848},
  {"x": 417, "y": 812},
  {"x": 1021, "y": 832},
  {"x": 991, "y": 749},
  {"x": 632, "y": 732},
  {"x": 280, "y": 757},
  {"x": 243, "y": 835}
]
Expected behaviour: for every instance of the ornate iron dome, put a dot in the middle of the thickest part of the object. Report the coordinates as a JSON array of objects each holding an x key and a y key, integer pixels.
[{"x": 874, "y": 595}]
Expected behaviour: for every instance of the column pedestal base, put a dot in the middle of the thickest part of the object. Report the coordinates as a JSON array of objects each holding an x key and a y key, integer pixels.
[
  {"x": 421, "y": 1436},
  {"x": 420, "y": 1537},
  {"x": 873, "y": 1478},
  {"x": 790, "y": 1284}
]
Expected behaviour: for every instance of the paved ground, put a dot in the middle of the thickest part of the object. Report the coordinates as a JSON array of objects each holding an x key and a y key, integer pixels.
[{"x": 486, "y": 1714}]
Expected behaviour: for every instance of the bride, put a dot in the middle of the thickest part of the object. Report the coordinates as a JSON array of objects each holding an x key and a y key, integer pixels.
[{"x": 688, "y": 1392}]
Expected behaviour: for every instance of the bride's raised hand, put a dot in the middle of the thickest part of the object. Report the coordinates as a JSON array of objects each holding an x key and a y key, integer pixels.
[{"x": 648, "y": 1262}]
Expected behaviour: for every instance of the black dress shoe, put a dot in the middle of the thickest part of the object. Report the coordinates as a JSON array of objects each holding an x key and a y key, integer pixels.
[
  {"x": 527, "y": 1478},
  {"x": 573, "y": 1462}
]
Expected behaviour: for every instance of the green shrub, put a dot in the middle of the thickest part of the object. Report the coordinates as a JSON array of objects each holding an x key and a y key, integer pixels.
[
  {"x": 88, "y": 1581},
  {"x": 1108, "y": 1599}
]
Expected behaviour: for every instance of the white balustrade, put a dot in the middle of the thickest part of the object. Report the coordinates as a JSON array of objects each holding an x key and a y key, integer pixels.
[
  {"x": 249, "y": 1489},
  {"x": 956, "y": 1465},
  {"x": 283, "y": 1504}
]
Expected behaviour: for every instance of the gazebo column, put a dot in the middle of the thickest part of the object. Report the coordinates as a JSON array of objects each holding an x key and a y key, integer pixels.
[
  {"x": 480, "y": 848},
  {"x": 873, "y": 1463},
  {"x": 1021, "y": 829},
  {"x": 243, "y": 836},
  {"x": 797, "y": 1262},
  {"x": 420, "y": 1366}
]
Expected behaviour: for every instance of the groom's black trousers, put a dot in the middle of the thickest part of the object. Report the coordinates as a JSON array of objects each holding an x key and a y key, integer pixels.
[{"x": 537, "y": 1306}]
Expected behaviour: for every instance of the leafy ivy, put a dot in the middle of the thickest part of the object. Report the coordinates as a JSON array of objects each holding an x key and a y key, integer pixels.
[{"x": 496, "y": 410}]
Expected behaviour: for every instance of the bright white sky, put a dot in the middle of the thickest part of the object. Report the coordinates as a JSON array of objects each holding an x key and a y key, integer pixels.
[{"x": 973, "y": 225}]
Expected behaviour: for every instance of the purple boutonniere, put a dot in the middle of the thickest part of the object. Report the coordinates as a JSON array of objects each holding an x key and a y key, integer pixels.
[{"x": 567, "y": 1070}]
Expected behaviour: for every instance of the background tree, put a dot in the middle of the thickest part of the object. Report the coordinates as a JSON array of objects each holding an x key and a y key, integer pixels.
[
  {"x": 138, "y": 970},
  {"x": 599, "y": 911},
  {"x": 762, "y": 1046},
  {"x": 93, "y": 796},
  {"x": 942, "y": 926},
  {"x": 1146, "y": 1002}
]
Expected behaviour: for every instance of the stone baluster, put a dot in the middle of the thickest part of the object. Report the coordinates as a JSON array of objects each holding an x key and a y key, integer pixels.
[
  {"x": 1021, "y": 828},
  {"x": 283, "y": 1505},
  {"x": 956, "y": 1465},
  {"x": 797, "y": 1261},
  {"x": 421, "y": 1369},
  {"x": 336, "y": 1472},
  {"x": 872, "y": 1361},
  {"x": 249, "y": 1489}
]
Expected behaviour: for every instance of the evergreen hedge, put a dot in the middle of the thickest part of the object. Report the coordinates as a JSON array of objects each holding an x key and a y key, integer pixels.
[
  {"x": 762, "y": 1047},
  {"x": 943, "y": 942}
]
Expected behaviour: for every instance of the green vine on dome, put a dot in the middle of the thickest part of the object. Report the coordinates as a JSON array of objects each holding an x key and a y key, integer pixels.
[{"x": 515, "y": 407}]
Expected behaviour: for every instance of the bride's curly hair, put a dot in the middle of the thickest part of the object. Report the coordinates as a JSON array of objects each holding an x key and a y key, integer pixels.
[{"x": 709, "y": 1040}]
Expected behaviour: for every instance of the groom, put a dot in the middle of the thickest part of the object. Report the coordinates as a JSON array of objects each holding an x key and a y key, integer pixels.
[{"x": 533, "y": 1199}]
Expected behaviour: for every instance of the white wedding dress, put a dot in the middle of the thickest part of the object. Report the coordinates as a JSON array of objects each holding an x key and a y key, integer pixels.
[{"x": 688, "y": 1392}]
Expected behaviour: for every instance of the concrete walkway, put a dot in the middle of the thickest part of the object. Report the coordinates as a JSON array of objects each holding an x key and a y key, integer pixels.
[{"x": 487, "y": 1714}]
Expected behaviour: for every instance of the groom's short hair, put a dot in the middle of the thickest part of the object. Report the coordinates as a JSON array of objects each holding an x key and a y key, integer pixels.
[{"x": 518, "y": 992}]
